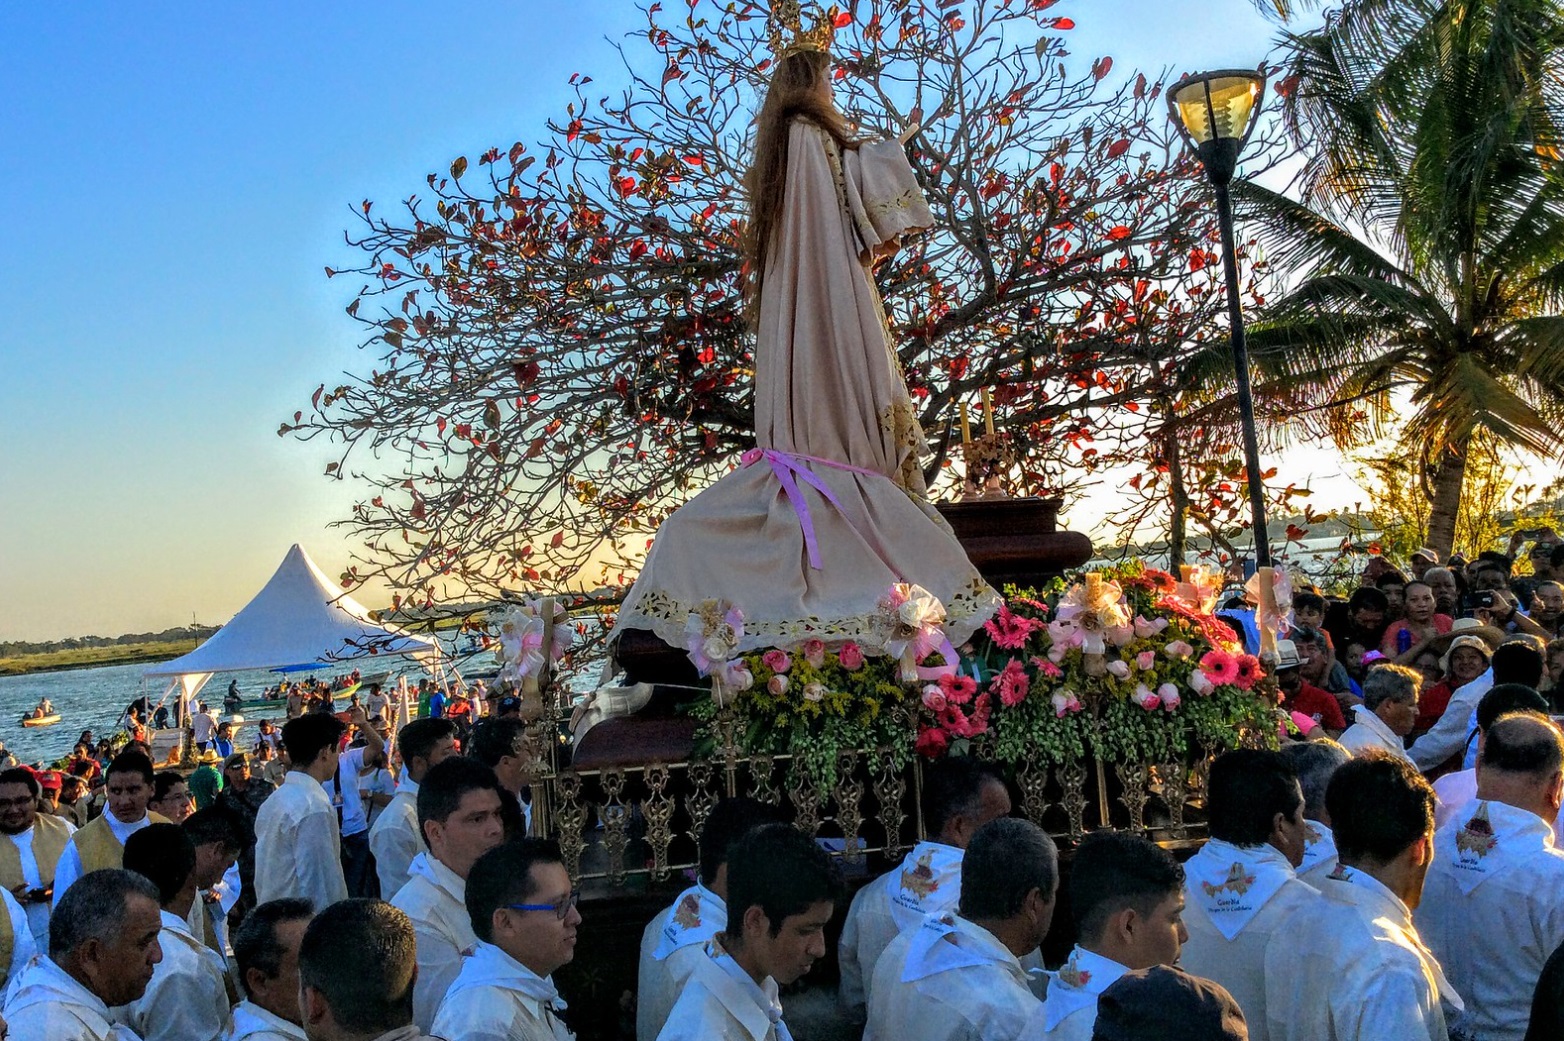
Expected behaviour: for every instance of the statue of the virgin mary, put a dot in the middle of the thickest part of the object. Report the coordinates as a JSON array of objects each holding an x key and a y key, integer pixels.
[{"x": 829, "y": 510}]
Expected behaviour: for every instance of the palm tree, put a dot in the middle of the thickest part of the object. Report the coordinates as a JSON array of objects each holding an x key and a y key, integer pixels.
[{"x": 1427, "y": 251}]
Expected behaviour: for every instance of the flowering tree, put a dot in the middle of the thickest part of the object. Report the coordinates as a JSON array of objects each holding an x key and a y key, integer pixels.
[{"x": 560, "y": 354}]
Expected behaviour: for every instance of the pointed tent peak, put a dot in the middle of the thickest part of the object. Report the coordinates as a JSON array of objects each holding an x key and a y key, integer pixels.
[
  {"x": 298, "y": 569},
  {"x": 299, "y": 617}
]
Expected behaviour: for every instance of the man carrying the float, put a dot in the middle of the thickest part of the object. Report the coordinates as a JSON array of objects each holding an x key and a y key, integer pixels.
[{"x": 959, "y": 797}]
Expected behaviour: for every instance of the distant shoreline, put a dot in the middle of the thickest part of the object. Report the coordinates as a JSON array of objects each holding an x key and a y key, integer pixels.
[{"x": 95, "y": 657}]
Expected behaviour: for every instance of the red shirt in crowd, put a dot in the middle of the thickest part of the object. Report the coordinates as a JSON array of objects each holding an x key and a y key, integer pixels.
[
  {"x": 1432, "y": 705},
  {"x": 1319, "y": 705}
]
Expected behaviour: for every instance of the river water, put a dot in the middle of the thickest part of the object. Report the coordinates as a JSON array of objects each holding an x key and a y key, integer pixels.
[{"x": 92, "y": 699}]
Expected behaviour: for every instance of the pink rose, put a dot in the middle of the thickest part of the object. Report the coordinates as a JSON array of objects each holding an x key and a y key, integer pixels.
[
  {"x": 934, "y": 698},
  {"x": 851, "y": 656},
  {"x": 813, "y": 692},
  {"x": 1200, "y": 683},
  {"x": 777, "y": 661},
  {"x": 1179, "y": 649},
  {"x": 813, "y": 652},
  {"x": 1065, "y": 702},
  {"x": 777, "y": 686},
  {"x": 1168, "y": 695},
  {"x": 1146, "y": 660},
  {"x": 1145, "y": 697},
  {"x": 1120, "y": 669}
]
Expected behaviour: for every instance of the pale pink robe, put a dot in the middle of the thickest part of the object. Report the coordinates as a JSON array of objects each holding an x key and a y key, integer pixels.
[{"x": 827, "y": 385}]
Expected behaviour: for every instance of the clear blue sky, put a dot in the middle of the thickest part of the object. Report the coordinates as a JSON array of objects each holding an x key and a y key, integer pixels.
[{"x": 178, "y": 175}]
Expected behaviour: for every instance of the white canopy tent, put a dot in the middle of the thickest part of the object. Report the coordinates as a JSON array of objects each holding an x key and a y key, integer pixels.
[{"x": 299, "y": 618}]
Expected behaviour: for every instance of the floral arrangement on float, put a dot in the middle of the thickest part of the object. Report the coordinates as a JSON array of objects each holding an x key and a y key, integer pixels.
[{"x": 1124, "y": 665}]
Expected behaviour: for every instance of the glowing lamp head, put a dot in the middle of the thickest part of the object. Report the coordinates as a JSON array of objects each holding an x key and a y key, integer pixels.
[{"x": 1215, "y": 113}]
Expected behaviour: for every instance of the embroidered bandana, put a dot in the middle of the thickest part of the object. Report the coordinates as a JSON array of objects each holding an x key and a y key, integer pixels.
[
  {"x": 1077, "y": 985},
  {"x": 1232, "y": 883},
  {"x": 1488, "y": 841},
  {"x": 698, "y": 915},
  {"x": 943, "y": 942},
  {"x": 927, "y": 882},
  {"x": 1319, "y": 846}
]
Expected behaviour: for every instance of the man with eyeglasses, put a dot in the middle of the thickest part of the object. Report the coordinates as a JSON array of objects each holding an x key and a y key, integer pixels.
[
  {"x": 523, "y": 911},
  {"x": 460, "y": 817},
  {"x": 30, "y": 850},
  {"x": 171, "y": 796}
]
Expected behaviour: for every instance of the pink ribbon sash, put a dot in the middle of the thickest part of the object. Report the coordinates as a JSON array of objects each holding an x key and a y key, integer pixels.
[{"x": 789, "y": 469}]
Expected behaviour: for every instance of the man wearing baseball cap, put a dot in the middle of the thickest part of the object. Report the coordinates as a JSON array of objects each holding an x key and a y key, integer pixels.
[{"x": 1421, "y": 560}]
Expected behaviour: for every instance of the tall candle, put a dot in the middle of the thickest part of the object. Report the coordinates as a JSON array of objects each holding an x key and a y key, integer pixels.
[
  {"x": 988, "y": 412},
  {"x": 966, "y": 429}
]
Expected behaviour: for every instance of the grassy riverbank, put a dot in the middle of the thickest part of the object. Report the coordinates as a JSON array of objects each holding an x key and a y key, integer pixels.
[{"x": 92, "y": 657}]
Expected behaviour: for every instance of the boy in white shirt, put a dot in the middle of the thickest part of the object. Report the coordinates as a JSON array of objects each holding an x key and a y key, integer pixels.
[
  {"x": 782, "y": 891},
  {"x": 1356, "y": 969},
  {"x": 1127, "y": 898},
  {"x": 959, "y": 977},
  {"x": 187, "y": 998},
  {"x": 675, "y": 940},
  {"x": 523, "y": 912},
  {"x": 1240, "y": 889}
]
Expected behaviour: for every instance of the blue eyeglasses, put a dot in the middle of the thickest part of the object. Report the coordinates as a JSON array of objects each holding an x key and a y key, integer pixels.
[{"x": 560, "y": 908}]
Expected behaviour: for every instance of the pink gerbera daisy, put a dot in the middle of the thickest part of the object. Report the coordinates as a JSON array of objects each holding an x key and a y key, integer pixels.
[
  {"x": 1220, "y": 667},
  {"x": 1248, "y": 672}
]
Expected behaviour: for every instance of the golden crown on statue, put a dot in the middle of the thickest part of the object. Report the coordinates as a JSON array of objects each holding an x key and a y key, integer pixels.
[{"x": 788, "y": 35}]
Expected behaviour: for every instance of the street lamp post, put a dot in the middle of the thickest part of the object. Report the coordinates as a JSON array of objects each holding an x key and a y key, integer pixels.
[{"x": 1215, "y": 113}]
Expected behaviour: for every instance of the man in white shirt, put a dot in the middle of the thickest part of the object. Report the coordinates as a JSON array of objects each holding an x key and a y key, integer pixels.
[
  {"x": 1458, "y": 790},
  {"x": 297, "y": 845},
  {"x": 498, "y": 744},
  {"x": 459, "y": 811},
  {"x": 30, "y": 849},
  {"x": 1493, "y": 905},
  {"x": 1512, "y": 662},
  {"x": 1316, "y": 762},
  {"x": 376, "y": 703},
  {"x": 203, "y": 726},
  {"x": 187, "y": 998},
  {"x": 1240, "y": 889},
  {"x": 1127, "y": 899},
  {"x": 266, "y": 958},
  {"x": 103, "y": 943},
  {"x": 958, "y": 977},
  {"x": 358, "y": 867},
  {"x": 782, "y": 890},
  {"x": 1356, "y": 969},
  {"x": 394, "y": 839},
  {"x": 215, "y": 834},
  {"x": 101, "y": 844},
  {"x": 676, "y": 939},
  {"x": 356, "y": 969},
  {"x": 1387, "y": 715},
  {"x": 960, "y": 795},
  {"x": 523, "y": 911}
]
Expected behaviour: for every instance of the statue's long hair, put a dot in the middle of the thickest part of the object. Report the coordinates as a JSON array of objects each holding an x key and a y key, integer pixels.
[{"x": 795, "y": 92}]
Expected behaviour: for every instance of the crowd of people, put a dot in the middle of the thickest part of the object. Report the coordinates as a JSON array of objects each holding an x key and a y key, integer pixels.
[{"x": 1389, "y": 873}]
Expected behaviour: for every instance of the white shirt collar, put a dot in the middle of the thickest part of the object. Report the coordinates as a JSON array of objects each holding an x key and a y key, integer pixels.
[
  {"x": 406, "y": 784},
  {"x": 123, "y": 831},
  {"x": 427, "y": 866},
  {"x": 1391, "y": 741},
  {"x": 250, "y": 1018}
]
